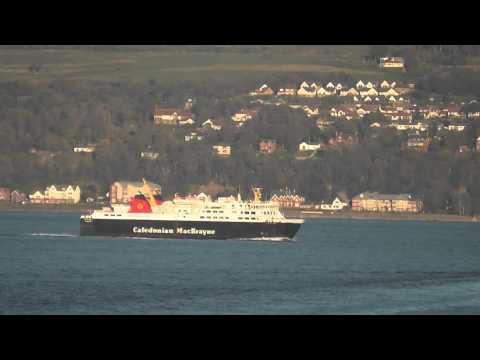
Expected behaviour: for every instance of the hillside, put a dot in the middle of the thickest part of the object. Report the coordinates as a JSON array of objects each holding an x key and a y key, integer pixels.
[{"x": 55, "y": 97}]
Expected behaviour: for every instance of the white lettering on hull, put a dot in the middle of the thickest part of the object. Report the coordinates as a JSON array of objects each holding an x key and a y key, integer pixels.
[{"x": 191, "y": 231}]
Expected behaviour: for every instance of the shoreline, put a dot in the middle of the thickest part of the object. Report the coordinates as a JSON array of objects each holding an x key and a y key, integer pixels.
[
  {"x": 49, "y": 208},
  {"x": 289, "y": 213},
  {"x": 350, "y": 215}
]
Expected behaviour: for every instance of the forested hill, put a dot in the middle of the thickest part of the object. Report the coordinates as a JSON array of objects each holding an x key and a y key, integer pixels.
[{"x": 54, "y": 98}]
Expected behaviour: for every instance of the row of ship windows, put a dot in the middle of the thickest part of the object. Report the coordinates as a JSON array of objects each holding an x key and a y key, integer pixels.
[
  {"x": 252, "y": 206},
  {"x": 226, "y": 218},
  {"x": 111, "y": 215}
]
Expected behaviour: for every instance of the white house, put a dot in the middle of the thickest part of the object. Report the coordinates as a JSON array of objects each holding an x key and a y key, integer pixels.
[
  {"x": 309, "y": 91},
  {"x": 193, "y": 136},
  {"x": 321, "y": 91},
  {"x": 287, "y": 90},
  {"x": 389, "y": 92},
  {"x": 310, "y": 111},
  {"x": 385, "y": 84},
  {"x": 351, "y": 92},
  {"x": 210, "y": 123},
  {"x": 330, "y": 86},
  {"x": 90, "y": 148},
  {"x": 262, "y": 90},
  {"x": 244, "y": 115},
  {"x": 369, "y": 92},
  {"x": 360, "y": 85},
  {"x": 149, "y": 155},
  {"x": 188, "y": 121},
  {"x": 336, "y": 204},
  {"x": 308, "y": 147},
  {"x": 222, "y": 150},
  {"x": 392, "y": 62}
]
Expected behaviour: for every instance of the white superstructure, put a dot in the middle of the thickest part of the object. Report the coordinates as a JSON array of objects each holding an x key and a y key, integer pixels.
[{"x": 202, "y": 208}]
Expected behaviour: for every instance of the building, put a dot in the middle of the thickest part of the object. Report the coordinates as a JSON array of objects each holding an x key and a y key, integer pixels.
[
  {"x": 309, "y": 147},
  {"x": 211, "y": 124},
  {"x": 351, "y": 92},
  {"x": 385, "y": 85},
  {"x": 392, "y": 63},
  {"x": 57, "y": 194},
  {"x": 171, "y": 116},
  {"x": 287, "y": 90},
  {"x": 336, "y": 204},
  {"x": 149, "y": 155},
  {"x": 321, "y": 91},
  {"x": 121, "y": 192},
  {"x": 4, "y": 194},
  {"x": 222, "y": 150},
  {"x": 193, "y": 136},
  {"x": 263, "y": 90},
  {"x": 360, "y": 84},
  {"x": 90, "y": 148},
  {"x": 373, "y": 201},
  {"x": 417, "y": 141},
  {"x": 268, "y": 146},
  {"x": 464, "y": 149},
  {"x": 17, "y": 197},
  {"x": 244, "y": 115},
  {"x": 310, "y": 111},
  {"x": 323, "y": 123},
  {"x": 454, "y": 111},
  {"x": 307, "y": 90},
  {"x": 287, "y": 200}
]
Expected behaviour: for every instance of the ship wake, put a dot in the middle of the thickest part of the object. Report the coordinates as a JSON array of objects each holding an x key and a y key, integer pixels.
[{"x": 53, "y": 234}]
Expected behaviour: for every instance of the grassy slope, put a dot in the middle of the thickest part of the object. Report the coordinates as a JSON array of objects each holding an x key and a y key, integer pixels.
[{"x": 180, "y": 65}]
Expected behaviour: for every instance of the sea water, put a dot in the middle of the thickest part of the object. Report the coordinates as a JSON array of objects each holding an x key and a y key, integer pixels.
[{"x": 332, "y": 267}]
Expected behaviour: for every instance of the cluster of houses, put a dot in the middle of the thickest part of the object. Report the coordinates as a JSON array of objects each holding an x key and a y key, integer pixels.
[
  {"x": 361, "y": 89},
  {"x": 364, "y": 202}
]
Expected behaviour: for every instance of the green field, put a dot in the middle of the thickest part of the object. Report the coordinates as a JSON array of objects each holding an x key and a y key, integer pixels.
[{"x": 170, "y": 66}]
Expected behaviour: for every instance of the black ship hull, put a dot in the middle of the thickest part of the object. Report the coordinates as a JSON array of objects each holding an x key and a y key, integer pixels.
[{"x": 177, "y": 229}]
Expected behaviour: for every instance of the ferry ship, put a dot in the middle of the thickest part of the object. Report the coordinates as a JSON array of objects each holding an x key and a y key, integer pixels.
[{"x": 191, "y": 217}]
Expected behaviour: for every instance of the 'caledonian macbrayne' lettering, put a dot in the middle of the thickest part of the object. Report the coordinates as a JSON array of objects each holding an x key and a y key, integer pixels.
[{"x": 192, "y": 231}]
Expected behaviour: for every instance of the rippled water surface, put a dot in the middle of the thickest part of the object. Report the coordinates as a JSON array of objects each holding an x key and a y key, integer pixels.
[{"x": 332, "y": 267}]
